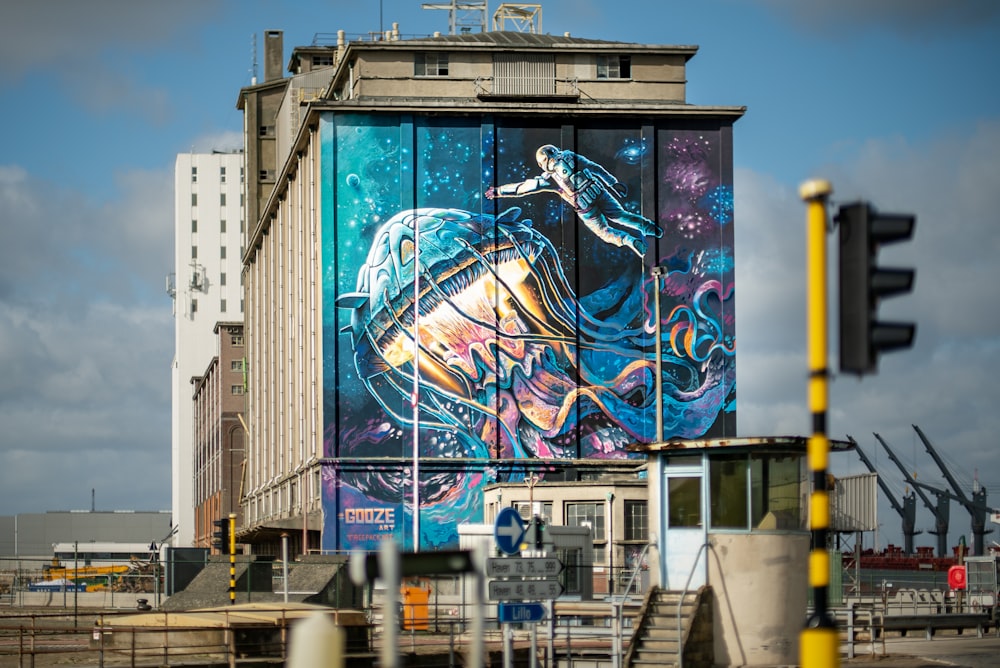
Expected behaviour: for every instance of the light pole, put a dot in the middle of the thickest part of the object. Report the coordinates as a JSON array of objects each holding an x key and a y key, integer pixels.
[
  {"x": 658, "y": 273},
  {"x": 415, "y": 399}
]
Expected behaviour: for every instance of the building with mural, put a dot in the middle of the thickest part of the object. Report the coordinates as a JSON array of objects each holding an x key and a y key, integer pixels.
[{"x": 482, "y": 257}]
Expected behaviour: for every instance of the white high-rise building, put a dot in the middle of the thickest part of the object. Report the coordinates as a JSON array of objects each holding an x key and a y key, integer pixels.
[{"x": 209, "y": 230}]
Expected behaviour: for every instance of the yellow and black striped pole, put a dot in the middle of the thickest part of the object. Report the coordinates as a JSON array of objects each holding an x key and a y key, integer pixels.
[
  {"x": 820, "y": 641},
  {"x": 232, "y": 558}
]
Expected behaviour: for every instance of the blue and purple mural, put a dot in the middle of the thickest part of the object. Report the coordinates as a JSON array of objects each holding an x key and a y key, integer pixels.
[{"x": 523, "y": 255}]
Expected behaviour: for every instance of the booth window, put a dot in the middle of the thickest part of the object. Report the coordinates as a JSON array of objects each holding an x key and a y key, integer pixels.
[
  {"x": 778, "y": 492},
  {"x": 684, "y": 501},
  {"x": 728, "y": 492},
  {"x": 758, "y": 492}
]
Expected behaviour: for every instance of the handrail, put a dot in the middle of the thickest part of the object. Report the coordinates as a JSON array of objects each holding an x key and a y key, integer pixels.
[
  {"x": 680, "y": 605},
  {"x": 617, "y": 606}
]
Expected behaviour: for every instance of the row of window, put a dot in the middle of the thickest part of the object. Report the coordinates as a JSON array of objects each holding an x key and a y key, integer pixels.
[
  {"x": 435, "y": 64},
  {"x": 757, "y": 492},
  {"x": 222, "y": 226},
  {"x": 222, "y": 199},
  {"x": 223, "y": 306},
  {"x": 591, "y": 514},
  {"x": 222, "y": 174},
  {"x": 222, "y": 253}
]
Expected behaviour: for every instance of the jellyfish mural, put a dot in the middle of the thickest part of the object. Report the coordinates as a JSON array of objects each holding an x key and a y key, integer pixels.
[{"x": 511, "y": 364}]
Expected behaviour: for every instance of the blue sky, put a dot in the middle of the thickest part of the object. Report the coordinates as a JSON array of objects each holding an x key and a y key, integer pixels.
[{"x": 895, "y": 101}]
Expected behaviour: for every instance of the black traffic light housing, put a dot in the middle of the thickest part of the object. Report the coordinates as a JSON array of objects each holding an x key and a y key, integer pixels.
[
  {"x": 863, "y": 284},
  {"x": 220, "y": 537},
  {"x": 539, "y": 533}
]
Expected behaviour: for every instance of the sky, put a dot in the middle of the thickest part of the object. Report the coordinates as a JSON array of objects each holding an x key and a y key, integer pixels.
[{"x": 894, "y": 101}]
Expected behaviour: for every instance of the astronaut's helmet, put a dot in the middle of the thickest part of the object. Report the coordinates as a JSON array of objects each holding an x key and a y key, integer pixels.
[{"x": 547, "y": 156}]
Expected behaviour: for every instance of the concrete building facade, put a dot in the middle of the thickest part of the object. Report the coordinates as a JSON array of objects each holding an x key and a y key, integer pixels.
[
  {"x": 501, "y": 199},
  {"x": 613, "y": 507},
  {"x": 218, "y": 433},
  {"x": 206, "y": 288}
]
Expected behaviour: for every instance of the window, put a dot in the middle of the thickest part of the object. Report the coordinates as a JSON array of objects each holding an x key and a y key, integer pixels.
[
  {"x": 222, "y": 252},
  {"x": 222, "y": 306},
  {"x": 222, "y": 199},
  {"x": 194, "y": 199},
  {"x": 614, "y": 67},
  {"x": 267, "y": 131},
  {"x": 241, "y": 178},
  {"x": 323, "y": 60},
  {"x": 222, "y": 278},
  {"x": 222, "y": 174},
  {"x": 636, "y": 521},
  {"x": 267, "y": 175},
  {"x": 236, "y": 365},
  {"x": 778, "y": 491},
  {"x": 236, "y": 340},
  {"x": 194, "y": 225},
  {"x": 194, "y": 252},
  {"x": 766, "y": 491},
  {"x": 728, "y": 492},
  {"x": 431, "y": 64},
  {"x": 587, "y": 514},
  {"x": 684, "y": 501},
  {"x": 194, "y": 306},
  {"x": 194, "y": 175},
  {"x": 222, "y": 226},
  {"x": 237, "y": 389}
]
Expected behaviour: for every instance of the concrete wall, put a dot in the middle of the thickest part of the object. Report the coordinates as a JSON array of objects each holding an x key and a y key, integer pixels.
[{"x": 760, "y": 586}]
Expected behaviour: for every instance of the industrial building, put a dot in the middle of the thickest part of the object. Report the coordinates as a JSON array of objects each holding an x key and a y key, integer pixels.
[
  {"x": 205, "y": 288},
  {"x": 32, "y": 537},
  {"x": 547, "y": 217},
  {"x": 219, "y": 432}
]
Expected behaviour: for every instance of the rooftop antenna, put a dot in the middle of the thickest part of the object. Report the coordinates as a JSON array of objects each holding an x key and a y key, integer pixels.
[
  {"x": 462, "y": 15},
  {"x": 93, "y": 500},
  {"x": 253, "y": 66},
  {"x": 520, "y": 15}
]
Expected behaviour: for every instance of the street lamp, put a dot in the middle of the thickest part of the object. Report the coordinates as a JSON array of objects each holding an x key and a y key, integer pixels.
[
  {"x": 658, "y": 273},
  {"x": 416, "y": 386}
]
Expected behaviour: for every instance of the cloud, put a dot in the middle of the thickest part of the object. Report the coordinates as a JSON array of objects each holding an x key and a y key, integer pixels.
[
  {"x": 946, "y": 384},
  {"x": 91, "y": 48},
  {"x": 219, "y": 141},
  {"x": 86, "y": 339}
]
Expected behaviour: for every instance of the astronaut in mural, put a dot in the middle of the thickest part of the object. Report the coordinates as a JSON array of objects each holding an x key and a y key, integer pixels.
[{"x": 593, "y": 192}]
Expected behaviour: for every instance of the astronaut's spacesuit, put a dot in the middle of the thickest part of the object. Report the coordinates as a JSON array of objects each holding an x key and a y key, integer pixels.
[{"x": 593, "y": 192}]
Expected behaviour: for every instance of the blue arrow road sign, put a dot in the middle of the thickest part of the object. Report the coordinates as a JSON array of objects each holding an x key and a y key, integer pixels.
[
  {"x": 509, "y": 531},
  {"x": 520, "y": 612}
]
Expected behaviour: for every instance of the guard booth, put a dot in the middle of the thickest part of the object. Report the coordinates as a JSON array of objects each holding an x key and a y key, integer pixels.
[{"x": 733, "y": 514}]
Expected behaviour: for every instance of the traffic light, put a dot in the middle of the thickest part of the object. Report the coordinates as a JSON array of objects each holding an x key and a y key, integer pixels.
[
  {"x": 539, "y": 533},
  {"x": 220, "y": 537},
  {"x": 863, "y": 284}
]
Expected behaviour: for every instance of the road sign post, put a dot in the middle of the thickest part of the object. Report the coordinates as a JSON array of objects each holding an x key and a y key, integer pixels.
[
  {"x": 516, "y": 613},
  {"x": 523, "y": 567},
  {"x": 524, "y": 590},
  {"x": 508, "y": 532}
]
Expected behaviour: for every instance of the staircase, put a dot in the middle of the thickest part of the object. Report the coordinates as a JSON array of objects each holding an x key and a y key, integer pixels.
[{"x": 656, "y": 639}]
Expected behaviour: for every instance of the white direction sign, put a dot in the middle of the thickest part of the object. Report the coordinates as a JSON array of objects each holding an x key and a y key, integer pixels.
[
  {"x": 531, "y": 567},
  {"x": 524, "y": 590}
]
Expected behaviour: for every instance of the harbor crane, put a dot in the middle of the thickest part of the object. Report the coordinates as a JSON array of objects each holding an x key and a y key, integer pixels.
[
  {"x": 976, "y": 506},
  {"x": 941, "y": 509},
  {"x": 907, "y": 511}
]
